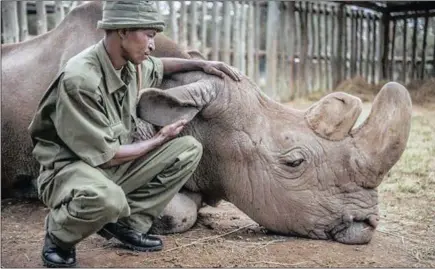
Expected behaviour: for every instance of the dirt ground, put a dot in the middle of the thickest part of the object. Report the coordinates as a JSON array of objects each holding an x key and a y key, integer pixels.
[{"x": 225, "y": 237}]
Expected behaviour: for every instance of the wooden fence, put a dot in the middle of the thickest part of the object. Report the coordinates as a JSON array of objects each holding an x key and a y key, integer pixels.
[{"x": 290, "y": 49}]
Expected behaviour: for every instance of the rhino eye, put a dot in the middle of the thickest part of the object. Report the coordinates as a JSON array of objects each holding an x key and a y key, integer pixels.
[{"x": 294, "y": 163}]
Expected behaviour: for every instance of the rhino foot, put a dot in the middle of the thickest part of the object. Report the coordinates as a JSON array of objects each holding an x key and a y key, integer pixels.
[{"x": 179, "y": 215}]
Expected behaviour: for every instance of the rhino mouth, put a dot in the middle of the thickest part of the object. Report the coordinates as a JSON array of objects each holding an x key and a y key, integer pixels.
[{"x": 354, "y": 232}]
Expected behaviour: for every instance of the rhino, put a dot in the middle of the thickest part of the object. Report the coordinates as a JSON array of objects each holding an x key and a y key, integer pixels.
[{"x": 310, "y": 173}]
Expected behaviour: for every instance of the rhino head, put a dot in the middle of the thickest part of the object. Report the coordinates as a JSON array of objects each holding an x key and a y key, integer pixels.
[{"x": 300, "y": 172}]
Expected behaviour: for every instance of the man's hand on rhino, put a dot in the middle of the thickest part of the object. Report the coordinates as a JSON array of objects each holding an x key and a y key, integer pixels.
[
  {"x": 170, "y": 131},
  {"x": 220, "y": 69}
]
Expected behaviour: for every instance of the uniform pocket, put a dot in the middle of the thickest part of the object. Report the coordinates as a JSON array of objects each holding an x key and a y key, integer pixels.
[{"x": 118, "y": 129}]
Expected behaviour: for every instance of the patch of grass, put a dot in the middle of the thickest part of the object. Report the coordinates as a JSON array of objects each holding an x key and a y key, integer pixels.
[
  {"x": 407, "y": 194},
  {"x": 415, "y": 170}
]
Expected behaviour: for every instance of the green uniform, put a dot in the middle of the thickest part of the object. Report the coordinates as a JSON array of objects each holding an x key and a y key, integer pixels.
[{"x": 84, "y": 117}]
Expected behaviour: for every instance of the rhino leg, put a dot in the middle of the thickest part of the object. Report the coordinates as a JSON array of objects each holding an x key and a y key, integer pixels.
[{"x": 179, "y": 215}]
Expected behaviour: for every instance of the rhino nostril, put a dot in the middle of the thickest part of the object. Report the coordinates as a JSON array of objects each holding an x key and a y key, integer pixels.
[
  {"x": 348, "y": 218},
  {"x": 373, "y": 221}
]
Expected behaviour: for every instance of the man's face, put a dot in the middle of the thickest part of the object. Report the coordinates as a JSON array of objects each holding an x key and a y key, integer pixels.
[{"x": 137, "y": 44}]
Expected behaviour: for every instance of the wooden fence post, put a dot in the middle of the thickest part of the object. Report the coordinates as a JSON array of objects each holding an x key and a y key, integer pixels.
[
  {"x": 22, "y": 17},
  {"x": 11, "y": 32},
  {"x": 326, "y": 71},
  {"x": 393, "y": 47},
  {"x": 414, "y": 47},
  {"x": 384, "y": 42},
  {"x": 361, "y": 43},
  {"x": 257, "y": 40},
  {"x": 423, "y": 54},
  {"x": 311, "y": 65},
  {"x": 374, "y": 40},
  {"x": 292, "y": 45},
  {"x": 405, "y": 54},
  {"x": 236, "y": 35},
  {"x": 321, "y": 61},
  {"x": 173, "y": 21},
  {"x": 215, "y": 32},
  {"x": 227, "y": 33},
  {"x": 60, "y": 12},
  {"x": 271, "y": 48},
  {"x": 193, "y": 26},
  {"x": 242, "y": 43},
  {"x": 250, "y": 37},
  {"x": 433, "y": 53},
  {"x": 339, "y": 63},
  {"x": 353, "y": 43},
  {"x": 204, "y": 29},
  {"x": 41, "y": 22},
  {"x": 346, "y": 36},
  {"x": 369, "y": 47},
  {"x": 333, "y": 55},
  {"x": 183, "y": 25}
]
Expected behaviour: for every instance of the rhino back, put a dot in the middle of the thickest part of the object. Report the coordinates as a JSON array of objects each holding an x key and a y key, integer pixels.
[{"x": 29, "y": 67}]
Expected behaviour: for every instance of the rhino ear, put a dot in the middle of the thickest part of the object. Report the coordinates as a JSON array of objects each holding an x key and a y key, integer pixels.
[
  {"x": 333, "y": 116},
  {"x": 195, "y": 54},
  {"x": 163, "y": 107}
]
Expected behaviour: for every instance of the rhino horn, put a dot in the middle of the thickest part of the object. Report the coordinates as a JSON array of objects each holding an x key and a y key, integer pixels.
[{"x": 382, "y": 138}]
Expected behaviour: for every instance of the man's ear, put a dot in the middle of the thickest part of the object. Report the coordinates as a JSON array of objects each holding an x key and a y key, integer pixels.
[
  {"x": 163, "y": 107},
  {"x": 122, "y": 33}
]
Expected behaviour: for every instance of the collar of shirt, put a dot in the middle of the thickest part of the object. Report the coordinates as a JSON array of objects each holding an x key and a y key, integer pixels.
[{"x": 113, "y": 81}]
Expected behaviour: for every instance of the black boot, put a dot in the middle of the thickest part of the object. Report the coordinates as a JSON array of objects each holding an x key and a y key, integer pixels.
[
  {"x": 130, "y": 238},
  {"x": 54, "y": 256}
]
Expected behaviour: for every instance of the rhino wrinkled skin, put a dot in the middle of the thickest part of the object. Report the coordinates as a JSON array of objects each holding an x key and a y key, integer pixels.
[{"x": 297, "y": 172}]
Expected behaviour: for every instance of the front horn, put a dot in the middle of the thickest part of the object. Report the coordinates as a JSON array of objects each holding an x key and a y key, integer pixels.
[{"x": 382, "y": 138}]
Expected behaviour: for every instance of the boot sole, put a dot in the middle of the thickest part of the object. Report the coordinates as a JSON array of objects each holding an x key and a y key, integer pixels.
[
  {"x": 108, "y": 235},
  {"x": 49, "y": 264}
]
